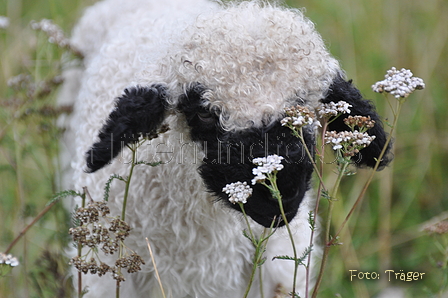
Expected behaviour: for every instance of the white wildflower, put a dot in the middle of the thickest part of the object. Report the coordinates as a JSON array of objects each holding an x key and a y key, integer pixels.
[
  {"x": 336, "y": 142},
  {"x": 266, "y": 165},
  {"x": 54, "y": 32},
  {"x": 399, "y": 83},
  {"x": 258, "y": 178},
  {"x": 350, "y": 142},
  {"x": 238, "y": 192},
  {"x": 4, "y": 22},
  {"x": 20, "y": 81},
  {"x": 8, "y": 259},
  {"x": 331, "y": 109},
  {"x": 297, "y": 117}
]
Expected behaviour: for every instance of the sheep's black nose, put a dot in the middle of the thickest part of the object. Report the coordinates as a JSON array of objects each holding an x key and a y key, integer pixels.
[{"x": 229, "y": 159}]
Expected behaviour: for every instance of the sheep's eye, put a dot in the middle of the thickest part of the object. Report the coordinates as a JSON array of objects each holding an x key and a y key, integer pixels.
[{"x": 205, "y": 117}]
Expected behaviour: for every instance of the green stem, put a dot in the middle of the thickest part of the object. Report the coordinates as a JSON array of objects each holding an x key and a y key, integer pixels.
[
  {"x": 257, "y": 258},
  {"x": 316, "y": 169},
  {"x": 256, "y": 254},
  {"x": 377, "y": 164},
  {"x": 360, "y": 197},
  {"x": 320, "y": 187},
  {"x": 83, "y": 204},
  {"x": 276, "y": 193},
  {"x": 251, "y": 234},
  {"x": 260, "y": 246},
  {"x": 260, "y": 276},
  {"x": 128, "y": 182},
  {"x": 133, "y": 148},
  {"x": 328, "y": 241}
]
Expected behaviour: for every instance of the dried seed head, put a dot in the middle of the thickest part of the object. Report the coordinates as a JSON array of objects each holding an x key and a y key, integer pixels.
[
  {"x": 297, "y": 117},
  {"x": 108, "y": 237},
  {"x": 135, "y": 262},
  {"x": 120, "y": 228},
  {"x": 116, "y": 274},
  {"x": 102, "y": 207},
  {"x": 361, "y": 122},
  {"x": 103, "y": 269}
]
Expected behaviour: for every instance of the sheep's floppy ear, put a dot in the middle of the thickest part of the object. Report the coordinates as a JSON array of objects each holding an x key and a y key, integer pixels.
[
  {"x": 345, "y": 91},
  {"x": 140, "y": 110}
]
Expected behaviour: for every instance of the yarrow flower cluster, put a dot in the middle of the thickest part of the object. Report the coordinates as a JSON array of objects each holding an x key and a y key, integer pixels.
[
  {"x": 9, "y": 260},
  {"x": 349, "y": 142},
  {"x": 109, "y": 236},
  {"x": 54, "y": 32},
  {"x": 361, "y": 122},
  {"x": 298, "y": 116},
  {"x": 399, "y": 83},
  {"x": 31, "y": 89},
  {"x": 266, "y": 165},
  {"x": 55, "y": 35},
  {"x": 331, "y": 109},
  {"x": 238, "y": 192},
  {"x": 4, "y": 22}
]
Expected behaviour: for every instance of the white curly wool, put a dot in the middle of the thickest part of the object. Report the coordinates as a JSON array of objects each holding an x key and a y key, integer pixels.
[{"x": 257, "y": 59}]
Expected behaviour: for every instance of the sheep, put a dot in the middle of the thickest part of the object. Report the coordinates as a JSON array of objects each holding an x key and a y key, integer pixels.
[{"x": 219, "y": 76}]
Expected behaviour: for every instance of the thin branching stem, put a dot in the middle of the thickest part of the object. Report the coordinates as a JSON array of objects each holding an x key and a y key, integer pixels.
[
  {"x": 260, "y": 276},
  {"x": 276, "y": 194},
  {"x": 320, "y": 187},
  {"x": 25, "y": 230},
  {"x": 260, "y": 247},
  {"x": 133, "y": 149},
  {"x": 257, "y": 259},
  {"x": 299, "y": 135},
  {"x": 251, "y": 234},
  {"x": 377, "y": 164},
  {"x": 83, "y": 204},
  {"x": 328, "y": 239},
  {"x": 331, "y": 242},
  {"x": 128, "y": 181},
  {"x": 256, "y": 254}
]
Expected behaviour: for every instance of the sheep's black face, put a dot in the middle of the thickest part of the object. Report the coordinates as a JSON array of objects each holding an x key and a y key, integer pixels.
[{"x": 229, "y": 158}]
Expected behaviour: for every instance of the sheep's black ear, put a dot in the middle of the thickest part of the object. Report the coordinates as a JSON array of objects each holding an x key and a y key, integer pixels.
[
  {"x": 140, "y": 110},
  {"x": 345, "y": 91}
]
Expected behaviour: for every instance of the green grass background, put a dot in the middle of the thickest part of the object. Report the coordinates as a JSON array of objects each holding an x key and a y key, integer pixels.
[{"x": 367, "y": 36}]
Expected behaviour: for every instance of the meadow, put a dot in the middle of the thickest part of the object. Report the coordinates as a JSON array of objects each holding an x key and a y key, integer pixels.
[{"x": 385, "y": 235}]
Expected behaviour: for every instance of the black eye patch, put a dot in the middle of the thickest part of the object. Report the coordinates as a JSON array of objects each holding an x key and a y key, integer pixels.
[{"x": 191, "y": 104}]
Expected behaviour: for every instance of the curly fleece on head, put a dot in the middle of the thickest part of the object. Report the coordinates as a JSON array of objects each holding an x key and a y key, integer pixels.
[{"x": 256, "y": 58}]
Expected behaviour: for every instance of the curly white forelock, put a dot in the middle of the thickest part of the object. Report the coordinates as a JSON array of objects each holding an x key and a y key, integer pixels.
[{"x": 256, "y": 59}]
